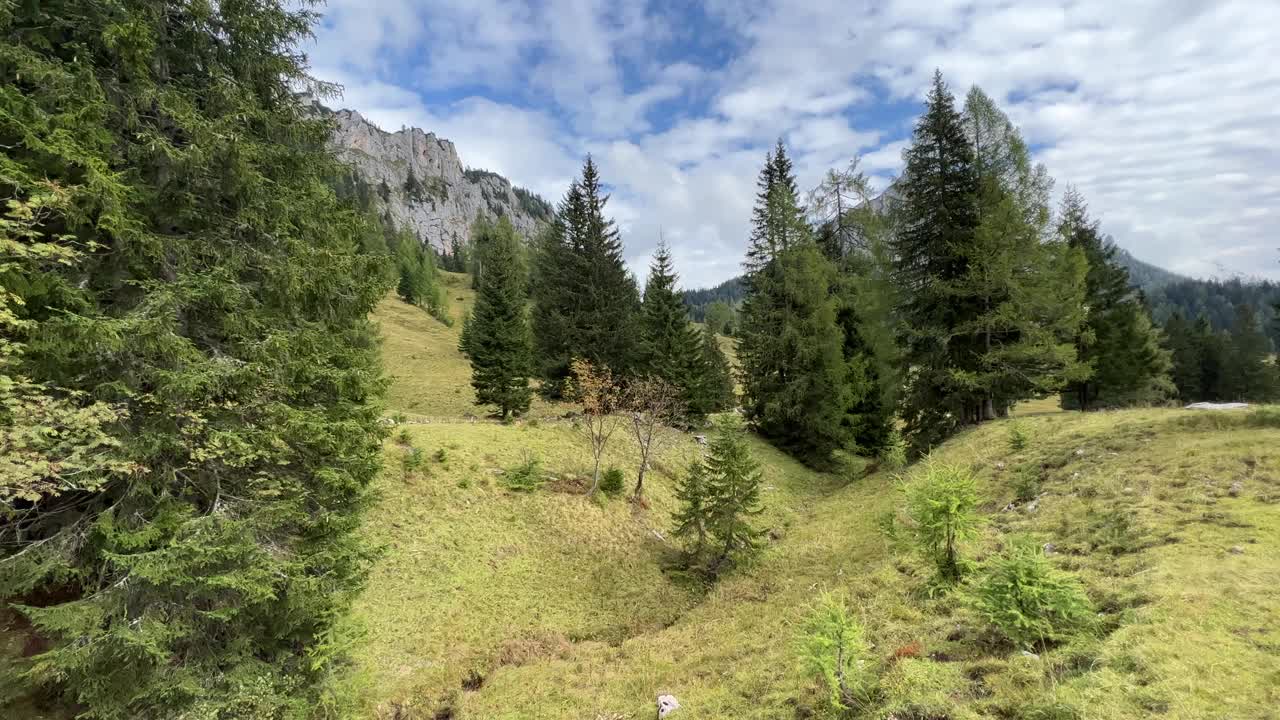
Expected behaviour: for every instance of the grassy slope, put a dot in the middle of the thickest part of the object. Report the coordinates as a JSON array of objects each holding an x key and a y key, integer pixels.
[{"x": 545, "y": 605}]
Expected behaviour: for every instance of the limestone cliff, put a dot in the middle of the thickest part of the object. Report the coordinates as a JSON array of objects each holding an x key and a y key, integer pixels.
[{"x": 442, "y": 198}]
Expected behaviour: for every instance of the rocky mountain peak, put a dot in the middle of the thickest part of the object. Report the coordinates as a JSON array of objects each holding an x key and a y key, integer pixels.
[{"x": 424, "y": 185}]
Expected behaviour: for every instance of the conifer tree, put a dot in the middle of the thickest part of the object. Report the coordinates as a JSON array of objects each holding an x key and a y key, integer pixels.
[
  {"x": 715, "y": 384},
  {"x": 799, "y": 388},
  {"x": 1249, "y": 374},
  {"x": 1117, "y": 340},
  {"x": 693, "y": 516},
  {"x": 732, "y": 493},
  {"x": 216, "y": 305},
  {"x": 938, "y": 216},
  {"x": 1185, "y": 353},
  {"x": 497, "y": 333},
  {"x": 1027, "y": 287},
  {"x": 586, "y": 304},
  {"x": 671, "y": 347}
]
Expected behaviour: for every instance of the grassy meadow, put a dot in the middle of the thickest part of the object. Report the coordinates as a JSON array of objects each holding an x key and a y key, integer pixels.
[{"x": 491, "y": 603}]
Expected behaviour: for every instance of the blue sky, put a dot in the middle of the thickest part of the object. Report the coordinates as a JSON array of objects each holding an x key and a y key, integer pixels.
[{"x": 1162, "y": 112}]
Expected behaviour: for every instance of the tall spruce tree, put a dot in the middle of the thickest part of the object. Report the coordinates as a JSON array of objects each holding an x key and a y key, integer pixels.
[
  {"x": 586, "y": 304},
  {"x": 936, "y": 223},
  {"x": 1123, "y": 349},
  {"x": 671, "y": 347},
  {"x": 799, "y": 390},
  {"x": 498, "y": 342},
  {"x": 212, "y": 321}
]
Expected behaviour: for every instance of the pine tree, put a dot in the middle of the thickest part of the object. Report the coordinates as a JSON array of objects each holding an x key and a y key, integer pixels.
[
  {"x": 586, "y": 304},
  {"x": 938, "y": 217},
  {"x": 732, "y": 494},
  {"x": 671, "y": 347},
  {"x": 212, "y": 322},
  {"x": 1117, "y": 340},
  {"x": 497, "y": 334}
]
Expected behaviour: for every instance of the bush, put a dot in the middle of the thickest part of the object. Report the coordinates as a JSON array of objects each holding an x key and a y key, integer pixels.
[
  {"x": 894, "y": 453},
  {"x": 1028, "y": 600},
  {"x": 833, "y": 647},
  {"x": 611, "y": 482},
  {"x": 942, "y": 506},
  {"x": 525, "y": 477},
  {"x": 1017, "y": 435},
  {"x": 441, "y": 455}
]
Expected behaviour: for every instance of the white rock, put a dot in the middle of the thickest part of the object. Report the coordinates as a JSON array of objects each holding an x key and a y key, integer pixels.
[{"x": 1216, "y": 406}]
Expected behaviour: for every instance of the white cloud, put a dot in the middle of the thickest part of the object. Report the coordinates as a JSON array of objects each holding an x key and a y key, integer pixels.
[{"x": 1160, "y": 111}]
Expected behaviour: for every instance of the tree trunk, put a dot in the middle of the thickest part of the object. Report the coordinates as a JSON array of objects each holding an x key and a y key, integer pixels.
[{"x": 644, "y": 463}]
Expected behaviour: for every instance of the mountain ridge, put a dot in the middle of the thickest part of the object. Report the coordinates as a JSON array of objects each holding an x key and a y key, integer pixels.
[{"x": 424, "y": 186}]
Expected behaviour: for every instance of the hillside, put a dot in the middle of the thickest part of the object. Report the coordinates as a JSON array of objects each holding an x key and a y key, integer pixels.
[
  {"x": 495, "y": 604},
  {"x": 423, "y": 184}
]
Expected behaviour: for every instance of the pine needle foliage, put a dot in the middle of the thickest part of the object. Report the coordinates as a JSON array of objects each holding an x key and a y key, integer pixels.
[{"x": 200, "y": 295}]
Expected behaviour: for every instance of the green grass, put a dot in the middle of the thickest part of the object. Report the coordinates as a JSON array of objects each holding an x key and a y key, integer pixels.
[{"x": 497, "y": 604}]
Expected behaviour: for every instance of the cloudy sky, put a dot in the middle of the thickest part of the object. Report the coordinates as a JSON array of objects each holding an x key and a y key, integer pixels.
[{"x": 1165, "y": 113}]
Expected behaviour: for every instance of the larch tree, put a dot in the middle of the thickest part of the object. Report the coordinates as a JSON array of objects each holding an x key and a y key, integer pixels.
[
  {"x": 1026, "y": 285},
  {"x": 498, "y": 342},
  {"x": 209, "y": 326}
]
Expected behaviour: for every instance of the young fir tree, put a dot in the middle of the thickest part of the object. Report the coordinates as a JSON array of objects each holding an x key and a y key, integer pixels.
[
  {"x": 497, "y": 333},
  {"x": 937, "y": 220},
  {"x": 1117, "y": 339},
  {"x": 586, "y": 304},
  {"x": 1249, "y": 373},
  {"x": 693, "y": 516},
  {"x": 732, "y": 494},
  {"x": 219, "y": 303},
  {"x": 671, "y": 348}
]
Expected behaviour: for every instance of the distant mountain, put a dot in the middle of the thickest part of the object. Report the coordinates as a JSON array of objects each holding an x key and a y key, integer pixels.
[
  {"x": 443, "y": 197},
  {"x": 1166, "y": 293},
  {"x": 1144, "y": 275}
]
